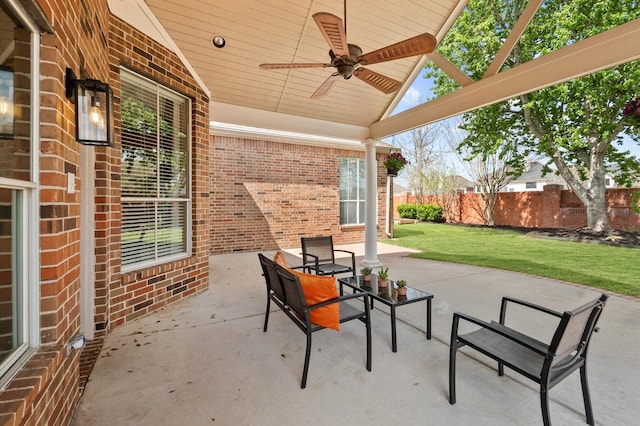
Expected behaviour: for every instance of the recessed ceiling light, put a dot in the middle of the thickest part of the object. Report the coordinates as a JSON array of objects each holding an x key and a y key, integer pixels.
[{"x": 218, "y": 41}]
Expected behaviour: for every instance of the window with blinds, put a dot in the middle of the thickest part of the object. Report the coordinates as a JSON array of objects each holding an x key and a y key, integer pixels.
[
  {"x": 156, "y": 203},
  {"x": 352, "y": 191}
]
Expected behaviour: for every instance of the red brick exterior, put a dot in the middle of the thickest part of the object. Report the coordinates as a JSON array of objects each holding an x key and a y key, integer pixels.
[
  {"x": 94, "y": 44},
  {"x": 279, "y": 192},
  {"x": 140, "y": 292},
  {"x": 551, "y": 208}
]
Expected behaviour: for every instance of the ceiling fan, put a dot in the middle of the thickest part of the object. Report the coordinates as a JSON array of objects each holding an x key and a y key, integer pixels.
[{"x": 348, "y": 59}]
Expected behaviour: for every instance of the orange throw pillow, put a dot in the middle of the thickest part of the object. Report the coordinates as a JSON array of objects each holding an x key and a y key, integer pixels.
[
  {"x": 316, "y": 289},
  {"x": 279, "y": 259}
]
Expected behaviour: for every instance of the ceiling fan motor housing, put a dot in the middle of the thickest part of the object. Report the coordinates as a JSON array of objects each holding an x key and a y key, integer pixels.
[{"x": 346, "y": 65}]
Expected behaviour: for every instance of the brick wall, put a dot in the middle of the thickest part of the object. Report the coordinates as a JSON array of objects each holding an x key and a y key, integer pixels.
[
  {"x": 551, "y": 208},
  {"x": 138, "y": 293},
  {"x": 266, "y": 195},
  {"x": 94, "y": 44},
  {"x": 45, "y": 390}
]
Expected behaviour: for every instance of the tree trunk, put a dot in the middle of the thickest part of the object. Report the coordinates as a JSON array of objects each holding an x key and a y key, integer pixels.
[
  {"x": 597, "y": 217},
  {"x": 592, "y": 192},
  {"x": 489, "y": 199}
]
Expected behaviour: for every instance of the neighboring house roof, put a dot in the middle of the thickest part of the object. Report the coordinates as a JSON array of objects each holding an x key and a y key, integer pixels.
[
  {"x": 398, "y": 189},
  {"x": 463, "y": 183},
  {"x": 534, "y": 174}
]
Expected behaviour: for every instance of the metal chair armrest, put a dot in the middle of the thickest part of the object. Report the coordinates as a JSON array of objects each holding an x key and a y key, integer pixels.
[
  {"x": 503, "y": 331},
  {"x": 315, "y": 265},
  {"x": 353, "y": 259},
  {"x": 345, "y": 251},
  {"x": 506, "y": 299}
]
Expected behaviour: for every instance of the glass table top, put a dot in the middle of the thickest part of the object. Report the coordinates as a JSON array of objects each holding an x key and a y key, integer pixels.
[{"x": 388, "y": 294}]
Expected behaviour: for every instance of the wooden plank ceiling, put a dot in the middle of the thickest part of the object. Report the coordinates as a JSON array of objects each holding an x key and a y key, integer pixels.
[{"x": 283, "y": 31}]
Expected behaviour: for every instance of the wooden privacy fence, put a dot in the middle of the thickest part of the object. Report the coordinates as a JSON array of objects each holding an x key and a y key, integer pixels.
[{"x": 553, "y": 207}]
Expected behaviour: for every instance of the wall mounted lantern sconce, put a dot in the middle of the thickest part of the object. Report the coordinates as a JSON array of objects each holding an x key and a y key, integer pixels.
[
  {"x": 94, "y": 124},
  {"x": 6, "y": 103}
]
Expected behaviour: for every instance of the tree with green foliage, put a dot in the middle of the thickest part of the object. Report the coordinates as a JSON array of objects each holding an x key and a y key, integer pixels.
[{"x": 578, "y": 125}]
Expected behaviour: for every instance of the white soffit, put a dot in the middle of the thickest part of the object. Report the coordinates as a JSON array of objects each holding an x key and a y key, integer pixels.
[
  {"x": 270, "y": 121},
  {"x": 247, "y": 132},
  {"x": 137, "y": 14}
]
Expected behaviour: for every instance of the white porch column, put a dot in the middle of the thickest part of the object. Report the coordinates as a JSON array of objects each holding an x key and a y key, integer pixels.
[{"x": 370, "y": 205}]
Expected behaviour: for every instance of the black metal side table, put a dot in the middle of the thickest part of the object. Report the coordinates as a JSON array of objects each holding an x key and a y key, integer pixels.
[{"x": 389, "y": 296}]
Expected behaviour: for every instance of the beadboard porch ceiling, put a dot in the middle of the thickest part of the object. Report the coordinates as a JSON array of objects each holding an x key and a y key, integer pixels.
[{"x": 283, "y": 31}]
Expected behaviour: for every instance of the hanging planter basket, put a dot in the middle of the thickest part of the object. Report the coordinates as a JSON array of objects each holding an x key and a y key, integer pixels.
[{"x": 394, "y": 162}]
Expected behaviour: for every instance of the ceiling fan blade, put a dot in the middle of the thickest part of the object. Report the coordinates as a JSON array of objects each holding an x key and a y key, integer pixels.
[
  {"x": 333, "y": 31},
  {"x": 326, "y": 86},
  {"x": 418, "y": 45},
  {"x": 300, "y": 65},
  {"x": 381, "y": 82}
]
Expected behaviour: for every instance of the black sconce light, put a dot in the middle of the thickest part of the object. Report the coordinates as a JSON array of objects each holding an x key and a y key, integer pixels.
[
  {"x": 93, "y": 109},
  {"x": 6, "y": 102}
]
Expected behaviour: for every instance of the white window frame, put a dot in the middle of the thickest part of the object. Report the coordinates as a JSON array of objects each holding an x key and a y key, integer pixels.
[
  {"x": 359, "y": 202},
  {"x": 188, "y": 200},
  {"x": 26, "y": 235}
]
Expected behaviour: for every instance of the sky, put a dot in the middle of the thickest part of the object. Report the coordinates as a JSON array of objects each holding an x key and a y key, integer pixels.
[{"x": 421, "y": 89}]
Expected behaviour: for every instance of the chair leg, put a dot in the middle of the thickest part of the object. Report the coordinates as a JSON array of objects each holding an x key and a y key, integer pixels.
[
  {"x": 307, "y": 356},
  {"x": 266, "y": 315},
  {"x": 585, "y": 395},
  {"x": 453, "y": 349},
  {"x": 368, "y": 325},
  {"x": 544, "y": 403}
]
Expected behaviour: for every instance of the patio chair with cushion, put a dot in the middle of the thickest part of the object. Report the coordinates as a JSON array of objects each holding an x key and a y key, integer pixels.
[
  {"x": 318, "y": 255},
  {"x": 275, "y": 291},
  {"x": 545, "y": 364},
  {"x": 313, "y": 304}
]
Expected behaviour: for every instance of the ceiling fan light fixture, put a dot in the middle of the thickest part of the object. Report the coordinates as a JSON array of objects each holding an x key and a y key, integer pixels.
[{"x": 345, "y": 70}]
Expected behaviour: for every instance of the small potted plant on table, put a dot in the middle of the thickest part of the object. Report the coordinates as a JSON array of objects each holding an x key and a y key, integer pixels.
[
  {"x": 402, "y": 287},
  {"x": 366, "y": 274},
  {"x": 383, "y": 276}
]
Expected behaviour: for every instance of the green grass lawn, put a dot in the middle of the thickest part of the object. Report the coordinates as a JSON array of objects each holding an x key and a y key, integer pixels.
[{"x": 610, "y": 268}]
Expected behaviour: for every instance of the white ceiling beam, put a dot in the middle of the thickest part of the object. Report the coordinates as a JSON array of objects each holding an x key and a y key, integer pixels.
[
  {"x": 451, "y": 70},
  {"x": 521, "y": 24},
  {"x": 616, "y": 46}
]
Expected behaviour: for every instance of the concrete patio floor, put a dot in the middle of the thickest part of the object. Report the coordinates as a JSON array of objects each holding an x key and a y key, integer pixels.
[{"x": 207, "y": 361}]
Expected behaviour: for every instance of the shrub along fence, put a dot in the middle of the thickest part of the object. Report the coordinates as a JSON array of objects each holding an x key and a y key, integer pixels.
[{"x": 551, "y": 208}]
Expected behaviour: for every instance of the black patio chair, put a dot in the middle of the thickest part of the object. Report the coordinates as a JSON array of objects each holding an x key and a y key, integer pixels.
[
  {"x": 545, "y": 364},
  {"x": 275, "y": 291},
  {"x": 318, "y": 255},
  {"x": 299, "y": 313}
]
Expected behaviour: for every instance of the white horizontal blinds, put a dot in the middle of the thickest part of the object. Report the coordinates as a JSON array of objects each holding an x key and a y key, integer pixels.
[
  {"x": 173, "y": 157},
  {"x": 139, "y": 106},
  {"x": 155, "y": 171},
  {"x": 171, "y": 226},
  {"x": 138, "y": 232}
]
